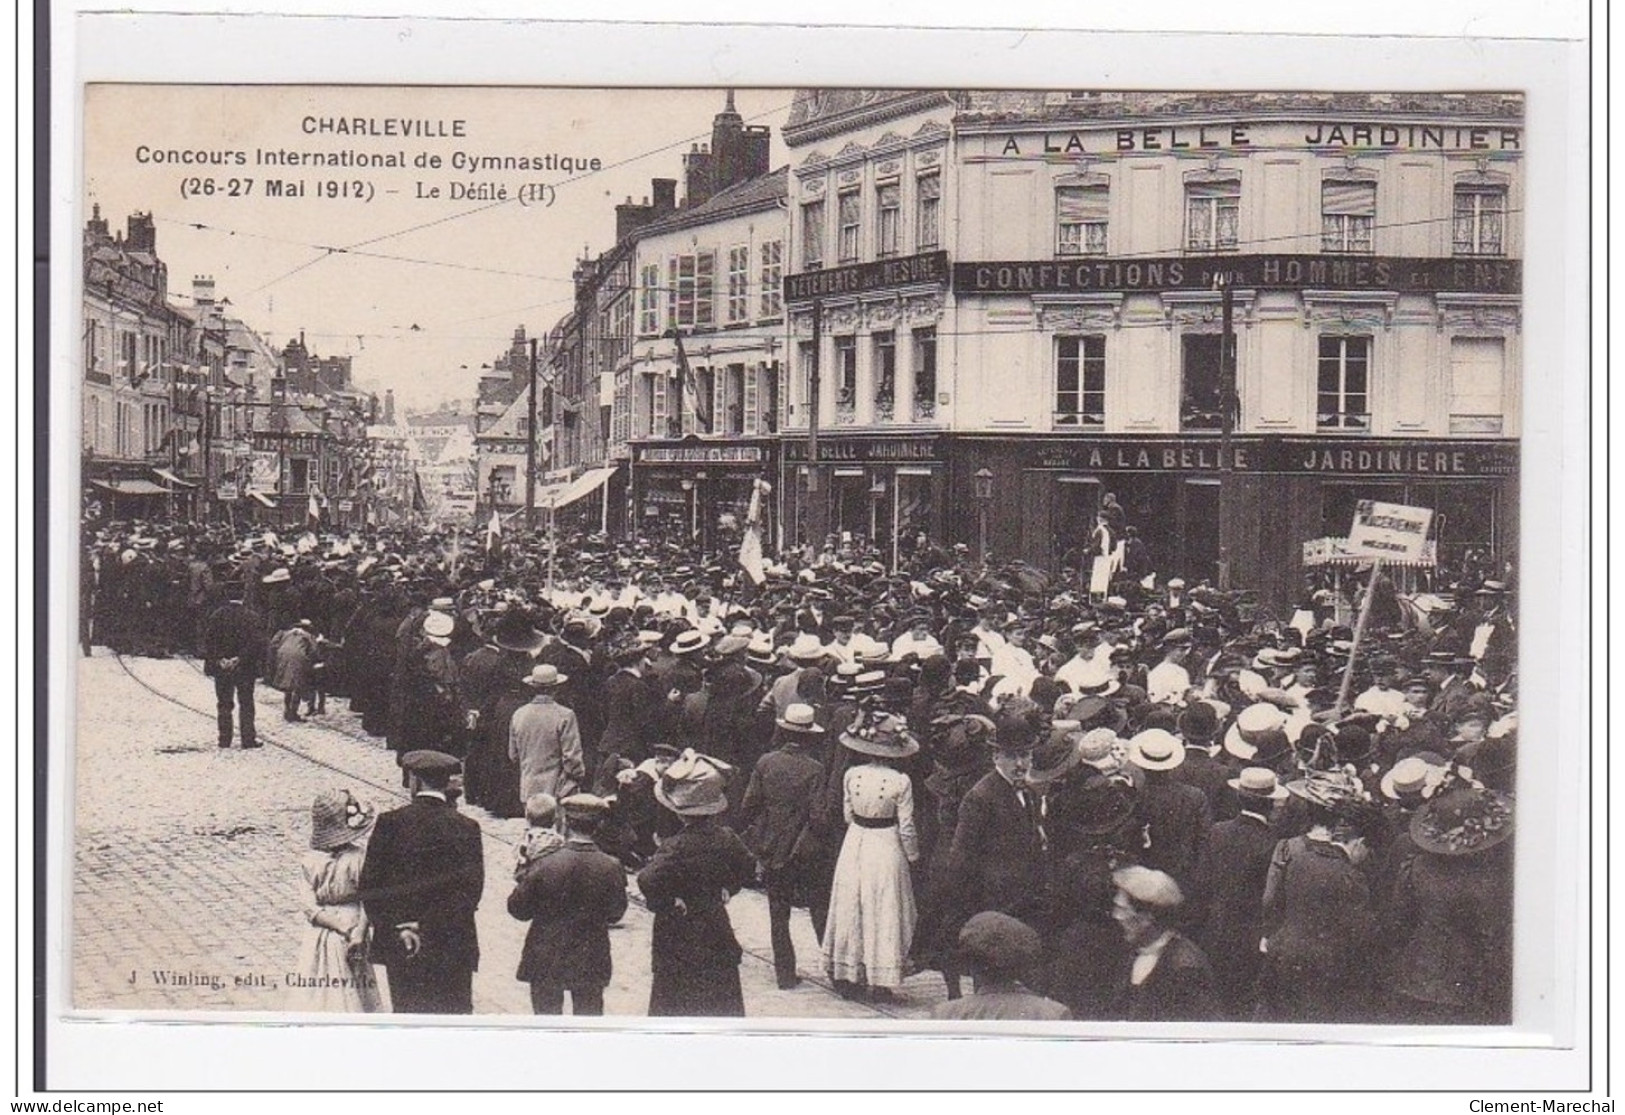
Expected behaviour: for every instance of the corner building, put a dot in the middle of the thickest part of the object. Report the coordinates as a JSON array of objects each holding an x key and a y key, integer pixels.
[{"x": 1027, "y": 283}]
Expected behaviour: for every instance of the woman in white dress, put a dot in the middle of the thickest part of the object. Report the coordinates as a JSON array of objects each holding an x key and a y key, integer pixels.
[
  {"x": 332, "y": 973},
  {"x": 871, "y": 911}
]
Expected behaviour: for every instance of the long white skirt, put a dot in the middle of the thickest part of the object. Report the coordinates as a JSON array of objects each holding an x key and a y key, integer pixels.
[{"x": 871, "y": 909}]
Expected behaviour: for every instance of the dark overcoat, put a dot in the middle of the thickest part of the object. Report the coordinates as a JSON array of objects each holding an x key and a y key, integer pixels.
[
  {"x": 1179, "y": 988},
  {"x": 570, "y": 897},
  {"x": 1229, "y": 890},
  {"x": 695, "y": 956}
]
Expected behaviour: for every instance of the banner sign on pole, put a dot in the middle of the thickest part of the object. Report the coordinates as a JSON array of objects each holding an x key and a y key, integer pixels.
[
  {"x": 264, "y": 472},
  {"x": 1390, "y": 531}
]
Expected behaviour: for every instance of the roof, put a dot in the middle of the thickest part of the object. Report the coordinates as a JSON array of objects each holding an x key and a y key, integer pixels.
[
  {"x": 749, "y": 196},
  {"x": 1015, "y": 106}
]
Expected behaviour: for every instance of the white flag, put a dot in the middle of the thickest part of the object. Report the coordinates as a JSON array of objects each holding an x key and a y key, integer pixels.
[
  {"x": 750, "y": 547},
  {"x": 493, "y": 532}
]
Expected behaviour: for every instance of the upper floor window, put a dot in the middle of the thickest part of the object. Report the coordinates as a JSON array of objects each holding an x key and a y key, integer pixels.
[
  {"x": 772, "y": 278},
  {"x": 1080, "y": 381},
  {"x": 925, "y": 374},
  {"x": 1080, "y": 220},
  {"x": 1343, "y": 399},
  {"x": 1348, "y": 211},
  {"x": 928, "y": 190},
  {"x": 1212, "y": 214},
  {"x": 1477, "y": 371},
  {"x": 846, "y": 373},
  {"x": 738, "y": 283},
  {"x": 888, "y": 212},
  {"x": 705, "y": 282},
  {"x": 850, "y": 214},
  {"x": 1478, "y": 224},
  {"x": 885, "y": 375},
  {"x": 812, "y": 235}
]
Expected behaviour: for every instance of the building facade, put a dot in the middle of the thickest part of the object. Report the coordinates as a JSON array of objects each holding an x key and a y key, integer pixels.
[{"x": 1039, "y": 276}]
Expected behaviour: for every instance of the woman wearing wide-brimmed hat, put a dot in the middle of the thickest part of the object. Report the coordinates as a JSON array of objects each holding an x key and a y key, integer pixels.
[
  {"x": 686, "y": 885},
  {"x": 332, "y": 973},
  {"x": 1320, "y": 916},
  {"x": 871, "y": 911},
  {"x": 1455, "y": 896}
]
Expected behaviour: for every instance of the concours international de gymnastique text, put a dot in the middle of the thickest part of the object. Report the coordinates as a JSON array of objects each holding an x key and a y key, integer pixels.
[{"x": 371, "y": 127}]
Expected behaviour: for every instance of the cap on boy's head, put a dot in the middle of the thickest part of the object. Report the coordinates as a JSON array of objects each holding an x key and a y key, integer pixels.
[{"x": 541, "y": 810}]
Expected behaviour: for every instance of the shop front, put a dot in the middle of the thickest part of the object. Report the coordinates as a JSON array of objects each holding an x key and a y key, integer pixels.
[
  {"x": 882, "y": 489},
  {"x": 1244, "y": 520},
  {"x": 692, "y": 489}
]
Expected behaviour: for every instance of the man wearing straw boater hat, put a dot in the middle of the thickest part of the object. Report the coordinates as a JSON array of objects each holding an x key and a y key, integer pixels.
[
  {"x": 774, "y": 819},
  {"x": 544, "y": 740},
  {"x": 1229, "y": 883},
  {"x": 421, "y": 883}
]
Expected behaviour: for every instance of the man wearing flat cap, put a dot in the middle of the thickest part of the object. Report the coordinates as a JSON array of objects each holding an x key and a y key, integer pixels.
[
  {"x": 570, "y": 898},
  {"x": 420, "y": 884},
  {"x": 998, "y": 951},
  {"x": 1169, "y": 979}
]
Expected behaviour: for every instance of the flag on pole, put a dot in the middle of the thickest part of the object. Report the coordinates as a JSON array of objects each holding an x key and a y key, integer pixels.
[
  {"x": 314, "y": 511},
  {"x": 493, "y": 533},
  {"x": 750, "y": 547},
  {"x": 418, "y": 502}
]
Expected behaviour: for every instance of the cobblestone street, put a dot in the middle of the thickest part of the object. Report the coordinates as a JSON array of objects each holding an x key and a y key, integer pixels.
[{"x": 186, "y": 885}]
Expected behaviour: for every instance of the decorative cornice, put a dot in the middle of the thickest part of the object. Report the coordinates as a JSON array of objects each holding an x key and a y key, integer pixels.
[
  {"x": 1345, "y": 308},
  {"x": 1498, "y": 313}
]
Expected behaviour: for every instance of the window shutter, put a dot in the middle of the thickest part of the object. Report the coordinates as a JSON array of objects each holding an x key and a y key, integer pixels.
[
  {"x": 1349, "y": 199},
  {"x": 1079, "y": 204},
  {"x": 659, "y": 393},
  {"x": 752, "y": 394}
]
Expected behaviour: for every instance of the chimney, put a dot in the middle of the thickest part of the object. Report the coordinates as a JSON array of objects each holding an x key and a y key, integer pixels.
[
  {"x": 665, "y": 194},
  {"x": 142, "y": 235},
  {"x": 697, "y": 176},
  {"x": 97, "y": 225}
]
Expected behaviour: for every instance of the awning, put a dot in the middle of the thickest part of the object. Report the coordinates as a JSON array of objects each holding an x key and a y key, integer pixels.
[
  {"x": 262, "y": 497},
  {"x": 561, "y": 495},
  {"x": 169, "y": 477},
  {"x": 132, "y": 487}
]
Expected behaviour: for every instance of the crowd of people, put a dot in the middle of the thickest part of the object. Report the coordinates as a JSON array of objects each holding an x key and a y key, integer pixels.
[{"x": 1133, "y": 799}]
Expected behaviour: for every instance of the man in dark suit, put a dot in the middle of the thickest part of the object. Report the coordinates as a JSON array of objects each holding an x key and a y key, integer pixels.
[
  {"x": 420, "y": 885},
  {"x": 570, "y": 897},
  {"x": 629, "y": 706},
  {"x": 995, "y": 860},
  {"x": 1175, "y": 816},
  {"x": 1230, "y": 885},
  {"x": 1169, "y": 979},
  {"x": 233, "y": 652}
]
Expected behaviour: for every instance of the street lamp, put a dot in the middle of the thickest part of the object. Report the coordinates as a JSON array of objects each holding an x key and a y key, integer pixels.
[
  {"x": 693, "y": 509},
  {"x": 983, "y": 490}
]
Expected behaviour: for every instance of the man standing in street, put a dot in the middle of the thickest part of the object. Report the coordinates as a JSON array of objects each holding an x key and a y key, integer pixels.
[
  {"x": 420, "y": 884},
  {"x": 233, "y": 649},
  {"x": 544, "y": 739},
  {"x": 570, "y": 897}
]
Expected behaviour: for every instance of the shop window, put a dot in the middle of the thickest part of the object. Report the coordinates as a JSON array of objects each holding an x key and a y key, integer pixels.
[
  {"x": 298, "y": 475},
  {"x": 1080, "y": 220},
  {"x": 850, "y": 217},
  {"x": 846, "y": 378},
  {"x": 1212, "y": 215},
  {"x": 1478, "y": 221},
  {"x": 928, "y": 205},
  {"x": 925, "y": 374},
  {"x": 1348, "y": 212},
  {"x": 1201, "y": 402},
  {"x": 1080, "y": 381},
  {"x": 885, "y": 375},
  {"x": 1477, "y": 368},
  {"x": 888, "y": 214},
  {"x": 738, "y": 283},
  {"x": 1338, "y": 501},
  {"x": 1343, "y": 386},
  {"x": 772, "y": 279},
  {"x": 812, "y": 235}
]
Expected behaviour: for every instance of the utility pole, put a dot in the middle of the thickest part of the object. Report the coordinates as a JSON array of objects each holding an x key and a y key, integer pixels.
[
  {"x": 530, "y": 445},
  {"x": 1229, "y": 408},
  {"x": 816, "y": 518}
]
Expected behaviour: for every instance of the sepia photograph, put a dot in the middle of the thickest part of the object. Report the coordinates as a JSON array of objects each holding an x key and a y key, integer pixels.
[{"x": 862, "y": 554}]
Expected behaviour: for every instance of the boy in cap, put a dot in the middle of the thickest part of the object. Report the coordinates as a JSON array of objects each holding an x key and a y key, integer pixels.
[
  {"x": 570, "y": 898},
  {"x": 998, "y": 951}
]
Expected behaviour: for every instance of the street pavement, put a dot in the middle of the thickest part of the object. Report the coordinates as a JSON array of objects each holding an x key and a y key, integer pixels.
[{"x": 187, "y": 893}]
